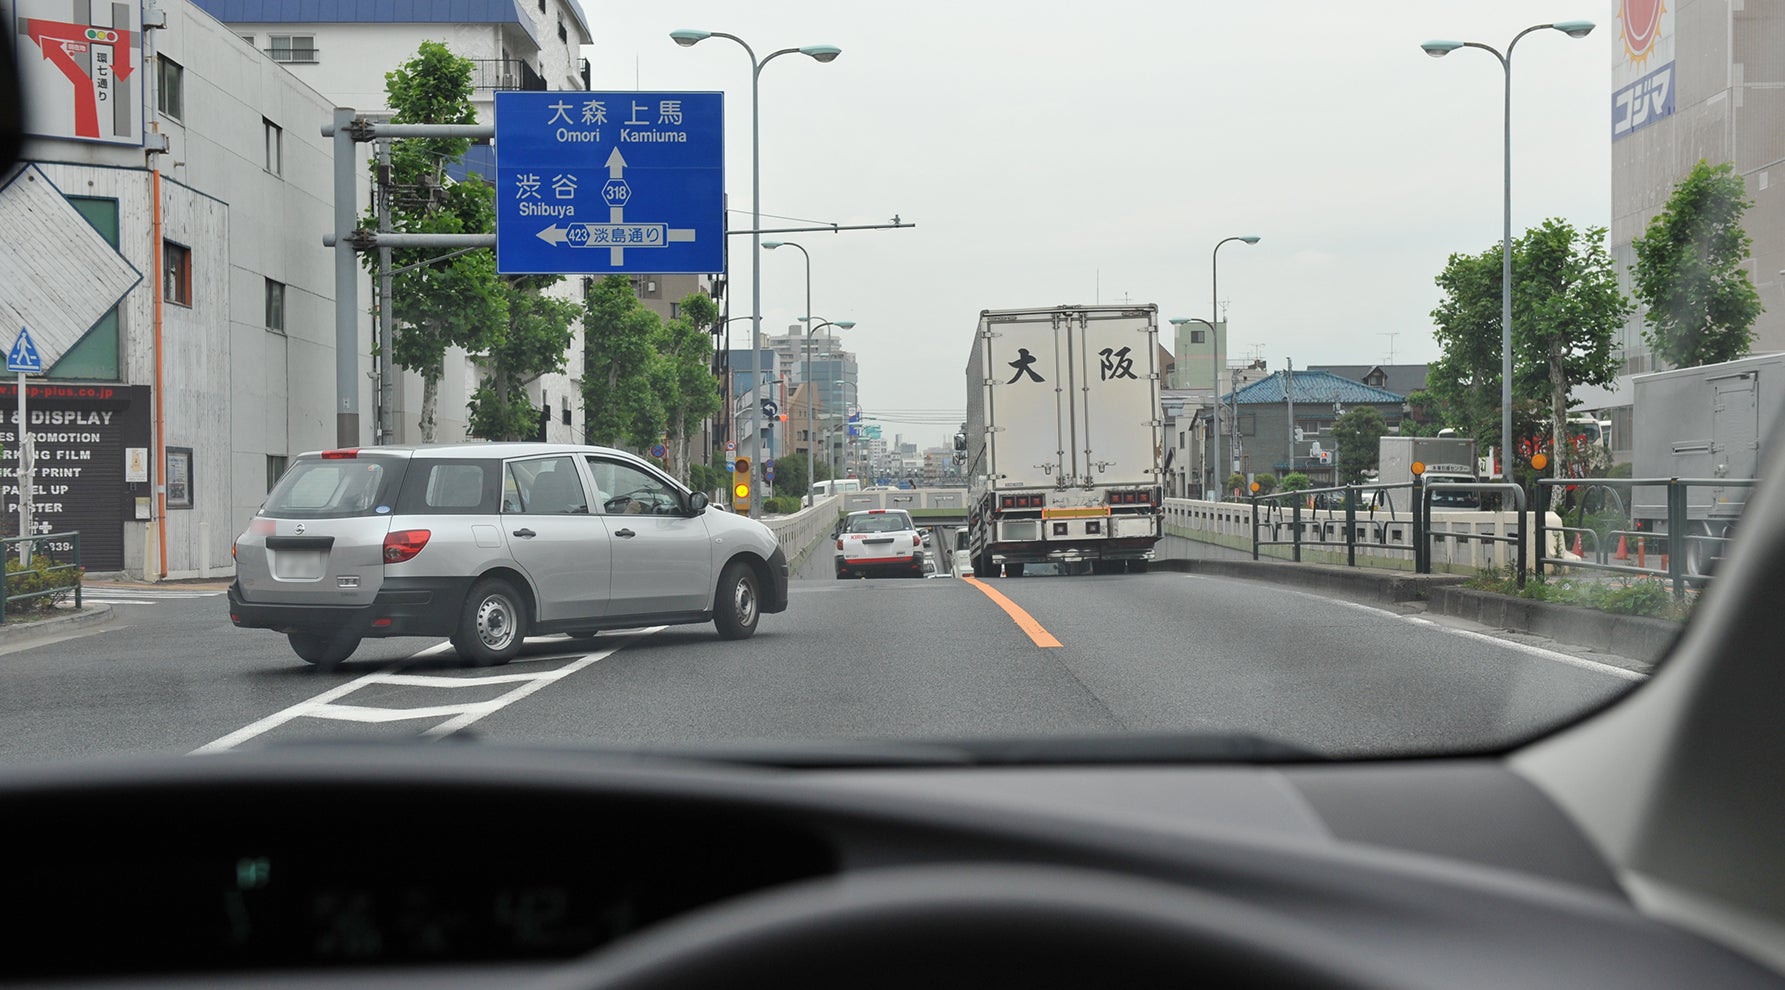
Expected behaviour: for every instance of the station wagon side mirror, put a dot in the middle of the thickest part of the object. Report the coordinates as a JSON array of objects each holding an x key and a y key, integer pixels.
[{"x": 697, "y": 503}]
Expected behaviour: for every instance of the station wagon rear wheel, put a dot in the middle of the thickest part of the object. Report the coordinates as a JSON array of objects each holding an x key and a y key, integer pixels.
[
  {"x": 493, "y": 624},
  {"x": 323, "y": 649}
]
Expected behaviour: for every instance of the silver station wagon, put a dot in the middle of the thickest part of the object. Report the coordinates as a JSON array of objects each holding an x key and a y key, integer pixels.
[{"x": 489, "y": 543}]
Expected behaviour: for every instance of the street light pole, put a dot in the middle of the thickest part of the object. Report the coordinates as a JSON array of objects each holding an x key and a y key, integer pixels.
[
  {"x": 1439, "y": 49},
  {"x": 811, "y": 445},
  {"x": 1214, "y": 318},
  {"x": 822, "y": 53}
]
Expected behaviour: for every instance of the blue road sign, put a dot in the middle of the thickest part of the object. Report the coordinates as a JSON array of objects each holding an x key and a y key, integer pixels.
[
  {"x": 658, "y": 450},
  {"x": 24, "y": 356},
  {"x": 604, "y": 183},
  {"x": 769, "y": 472}
]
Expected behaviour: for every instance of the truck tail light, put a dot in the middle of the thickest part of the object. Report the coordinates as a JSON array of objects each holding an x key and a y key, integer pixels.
[
  {"x": 343, "y": 454},
  {"x": 839, "y": 544},
  {"x": 404, "y": 544}
]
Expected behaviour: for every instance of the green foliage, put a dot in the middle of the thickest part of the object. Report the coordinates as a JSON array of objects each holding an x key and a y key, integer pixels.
[
  {"x": 1424, "y": 417},
  {"x": 709, "y": 478},
  {"x": 1359, "y": 436},
  {"x": 684, "y": 373},
  {"x": 1296, "y": 481},
  {"x": 621, "y": 403},
  {"x": 1628, "y": 596},
  {"x": 1565, "y": 310},
  {"x": 535, "y": 341},
  {"x": 43, "y": 574},
  {"x": 792, "y": 476},
  {"x": 1690, "y": 271},
  {"x": 1236, "y": 482},
  {"x": 457, "y": 302},
  {"x": 1267, "y": 483},
  {"x": 781, "y": 504}
]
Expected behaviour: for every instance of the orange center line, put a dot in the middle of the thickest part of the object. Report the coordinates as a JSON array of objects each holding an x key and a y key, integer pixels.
[{"x": 1024, "y": 620}]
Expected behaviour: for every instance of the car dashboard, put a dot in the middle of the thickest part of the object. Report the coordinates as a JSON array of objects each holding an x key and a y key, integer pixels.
[{"x": 463, "y": 864}]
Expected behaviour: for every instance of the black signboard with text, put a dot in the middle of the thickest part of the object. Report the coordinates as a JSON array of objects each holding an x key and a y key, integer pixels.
[{"x": 80, "y": 433}]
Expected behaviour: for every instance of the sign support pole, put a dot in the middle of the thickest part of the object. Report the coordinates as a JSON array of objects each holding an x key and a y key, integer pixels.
[{"x": 24, "y": 477}]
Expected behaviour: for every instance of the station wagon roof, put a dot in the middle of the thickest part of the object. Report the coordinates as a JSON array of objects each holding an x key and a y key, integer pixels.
[{"x": 477, "y": 448}]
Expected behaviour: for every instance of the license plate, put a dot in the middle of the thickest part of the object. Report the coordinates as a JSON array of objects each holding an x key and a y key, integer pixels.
[{"x": 298, "y": 565}]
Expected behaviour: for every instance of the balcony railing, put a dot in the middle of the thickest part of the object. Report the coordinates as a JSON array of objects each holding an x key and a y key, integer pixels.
[{"x": 505, "y": 73}]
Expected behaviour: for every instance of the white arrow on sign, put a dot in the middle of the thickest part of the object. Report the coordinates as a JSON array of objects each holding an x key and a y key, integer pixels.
[
  {"x": 616, "y": 169},
  {"x": 603, "y": 235}
]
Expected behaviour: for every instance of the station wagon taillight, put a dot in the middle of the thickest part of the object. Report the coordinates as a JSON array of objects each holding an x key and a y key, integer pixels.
[{"x": 403, "y": 544}]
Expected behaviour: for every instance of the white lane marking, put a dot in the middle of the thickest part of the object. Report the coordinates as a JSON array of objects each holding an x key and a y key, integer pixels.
[
  {"x": 324, "y": 706},
  {"x": 478, "y": 711},
  {"x": 279, "y": 718},
  {"x": 1536, "y": 651}
]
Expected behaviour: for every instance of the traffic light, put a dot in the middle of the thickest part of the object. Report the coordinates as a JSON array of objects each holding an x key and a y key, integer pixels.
[{"x": 740, "y": 486}]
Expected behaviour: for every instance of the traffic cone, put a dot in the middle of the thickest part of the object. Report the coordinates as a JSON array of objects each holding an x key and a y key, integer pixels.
[
  {"x": 1623, "y": 549},
  {"x": 1577, "y": 548},
  {"x": 1642, "y": 556}
]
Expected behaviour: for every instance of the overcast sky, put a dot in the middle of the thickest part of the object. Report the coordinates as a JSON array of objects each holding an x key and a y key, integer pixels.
[{"x": 1076, "y": 152}]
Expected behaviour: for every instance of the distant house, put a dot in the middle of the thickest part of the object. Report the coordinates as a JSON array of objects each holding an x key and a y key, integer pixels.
[
  {"x": 1402, "y": 379},
  {"x": 1319, "y": 398}
]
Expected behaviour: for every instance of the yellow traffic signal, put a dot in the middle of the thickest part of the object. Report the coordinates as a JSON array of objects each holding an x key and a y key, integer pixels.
[{"x": 740, "y": 486}]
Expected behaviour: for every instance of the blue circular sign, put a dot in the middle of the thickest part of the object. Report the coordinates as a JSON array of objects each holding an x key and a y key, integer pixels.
[{"x": 657, "y": 450}]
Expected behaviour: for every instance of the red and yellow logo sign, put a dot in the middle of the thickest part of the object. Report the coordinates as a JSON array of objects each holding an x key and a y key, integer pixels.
[{"x": 1639, "y": 24}]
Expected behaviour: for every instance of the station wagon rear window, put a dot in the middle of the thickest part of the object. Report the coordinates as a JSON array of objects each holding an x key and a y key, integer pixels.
[{"x": 316, "y": 488}]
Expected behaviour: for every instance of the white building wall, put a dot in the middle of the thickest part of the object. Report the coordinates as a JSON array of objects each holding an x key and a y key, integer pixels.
[
  {"x": 233, "y": 391},
  {"x": 351, "y": 63}
]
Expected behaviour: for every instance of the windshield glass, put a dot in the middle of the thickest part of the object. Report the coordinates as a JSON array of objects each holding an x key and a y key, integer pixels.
[
  {"x": 1190, "y": 337},
  {"x": 879, "y": 522}
]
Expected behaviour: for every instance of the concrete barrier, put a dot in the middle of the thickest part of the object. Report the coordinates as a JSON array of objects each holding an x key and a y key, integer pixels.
[
  {"x": 1384, "y": 538},
  {"x": 800, "y": 532}
]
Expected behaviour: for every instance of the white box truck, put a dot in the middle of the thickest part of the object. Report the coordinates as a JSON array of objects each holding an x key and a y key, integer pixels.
[
  {"x": 1708, "y": 422},
  {"x": 1063, "y": 438},
  {"x": 1449, "y": 459}
]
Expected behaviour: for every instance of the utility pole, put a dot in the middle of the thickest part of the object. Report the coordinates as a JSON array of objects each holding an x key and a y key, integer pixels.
[
  {"x": 1289, "y": 397},
  {"x": 387, "y": 391}
]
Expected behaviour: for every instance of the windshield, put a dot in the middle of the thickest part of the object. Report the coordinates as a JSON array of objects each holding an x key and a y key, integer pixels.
[
  {"x": 879, "y": 522},
  {"x": 1180, "y": 333}
]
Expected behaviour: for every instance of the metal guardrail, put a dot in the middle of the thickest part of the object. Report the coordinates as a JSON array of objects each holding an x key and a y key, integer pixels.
[
  {"x": 1679, "y": 548},
  {"x": 71, "y": 566},
  {"x": 1419, "y": 517}
]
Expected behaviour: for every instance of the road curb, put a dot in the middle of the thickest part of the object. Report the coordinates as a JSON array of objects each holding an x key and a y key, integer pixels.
[
  {"x": 1374, "y": 585},
  {"x": 88, "y": 616},
  {"x": 1638, "y": 637}
]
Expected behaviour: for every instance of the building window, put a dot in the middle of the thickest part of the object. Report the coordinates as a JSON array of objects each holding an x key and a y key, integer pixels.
[
  {"x": 275, "y": 470},
  {"x": 170, "y": 87},
  {"x": 563, "y": 35},
  {"x": 292, "y": 47},
  {"x": 179, "y": 477},
  {"x": 275, "y": 146},
  {"x": 275, "y": 306},
  {"x": 246, "y": 37},
  {"x": 176, "y": 273},
  {"x": 565, "y": 405},
  {"x": 1197, "y": 336}
]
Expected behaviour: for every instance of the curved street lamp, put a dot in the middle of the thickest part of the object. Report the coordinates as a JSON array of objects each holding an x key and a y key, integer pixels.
[
  {"x": 821, "y": 53},
  {"x": 1439, "y": 49}
]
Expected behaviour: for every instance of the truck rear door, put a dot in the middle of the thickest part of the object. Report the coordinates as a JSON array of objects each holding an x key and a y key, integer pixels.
[
  {"x": 1026, "y": 377},
  {"x": 1114, "y": 428}
]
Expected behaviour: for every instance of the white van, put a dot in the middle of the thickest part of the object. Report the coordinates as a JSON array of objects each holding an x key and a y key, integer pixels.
[{"x": 837, "y": 487}]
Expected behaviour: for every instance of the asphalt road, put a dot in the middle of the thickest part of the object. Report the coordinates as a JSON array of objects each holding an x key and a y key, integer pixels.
[{"x": 892, "y": 659}]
